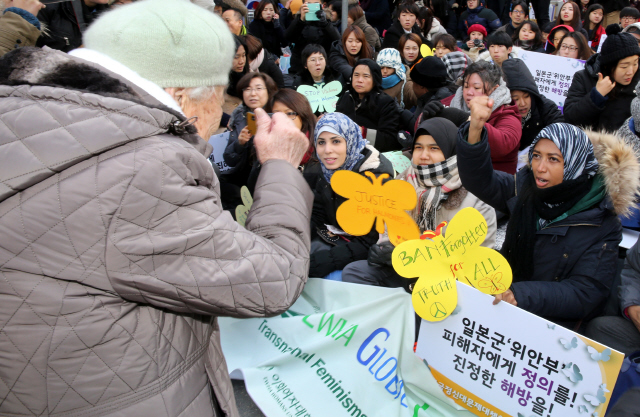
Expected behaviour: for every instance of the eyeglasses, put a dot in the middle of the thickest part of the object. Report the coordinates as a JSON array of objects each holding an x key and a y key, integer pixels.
[
  {"x": 569, "y": 47},
  {"x": 251, "y": 90},
  {"x": 291, "y": 115},
  {"x": 628, "y": 18}
]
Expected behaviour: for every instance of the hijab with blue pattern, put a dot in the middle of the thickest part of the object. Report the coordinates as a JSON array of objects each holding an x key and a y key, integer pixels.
[
  {"x": 575, "y": 147},
  {"x": 341, "y": 125}
]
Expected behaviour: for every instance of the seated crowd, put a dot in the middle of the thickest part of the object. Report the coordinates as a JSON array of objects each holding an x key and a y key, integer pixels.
[{"x": 445, "y": 88}]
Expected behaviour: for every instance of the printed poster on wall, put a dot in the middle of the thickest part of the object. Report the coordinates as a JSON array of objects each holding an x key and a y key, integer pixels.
[
  {"x": 553, "y": 74},
  {"x": 503, "y": 361},
  {"x": 342, "y": 350}
]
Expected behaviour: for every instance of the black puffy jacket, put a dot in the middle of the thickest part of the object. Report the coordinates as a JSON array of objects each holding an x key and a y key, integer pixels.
[
  {"x": 65, "y": 23},
  {"x": 302, "y": 33},
  {"x": 574, "y": 258},
  {"x": 543, "y": 111},
  {"x": 580, "y": 109},
  {"x": 393, "y": 34},
  {"x": 272, "y": 37},
  {"x": 325, "y": 206}
]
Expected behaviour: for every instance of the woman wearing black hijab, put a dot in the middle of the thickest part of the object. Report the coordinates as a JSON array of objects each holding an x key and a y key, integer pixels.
[{"x": 374, "y": 111}]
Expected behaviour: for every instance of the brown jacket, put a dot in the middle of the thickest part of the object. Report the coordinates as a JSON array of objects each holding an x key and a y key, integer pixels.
[
  {"x": 116, "y": 256},
  {"x": 16, "y": 32}
]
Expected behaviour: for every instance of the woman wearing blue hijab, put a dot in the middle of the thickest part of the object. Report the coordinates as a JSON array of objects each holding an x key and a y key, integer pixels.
[{"x": 339, "y": 146}]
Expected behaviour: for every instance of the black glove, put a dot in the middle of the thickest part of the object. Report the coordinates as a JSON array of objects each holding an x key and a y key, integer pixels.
[
  {"x": 380, "y": 254},
  {"x": 322, "y": 18},
  {"x": 457, "y": 116},
  {"x": 432, "y": 109},
  {"x": 320, "y": 264}
]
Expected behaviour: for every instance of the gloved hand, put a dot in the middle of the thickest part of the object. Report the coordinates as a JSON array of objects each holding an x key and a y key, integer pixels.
[
  {"x": 457, "y": 116},
  {"x": 380, "y": 254},
  {"x": 320, "y": 264},
  {"x": 431, "y": 110},
  {"x": 322, "y": 18}
]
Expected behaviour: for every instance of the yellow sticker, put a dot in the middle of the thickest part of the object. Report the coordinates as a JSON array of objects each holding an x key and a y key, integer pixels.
[
  {"x": 426, "y": 51},
  {"x": 370, "y": 200},
  {"x": 438, "y": 259},
  {"x": 242, "y": 211}
]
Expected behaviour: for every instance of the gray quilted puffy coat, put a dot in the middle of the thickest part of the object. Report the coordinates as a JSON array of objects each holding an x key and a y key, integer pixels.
[{"x": 115, "y": 254}]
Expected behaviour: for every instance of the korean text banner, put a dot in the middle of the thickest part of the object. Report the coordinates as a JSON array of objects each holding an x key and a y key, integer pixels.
[
  {"x": 342, "y": 350},
  {"x": 552, "y": 74},
  {"x": 515, "y": 363}
]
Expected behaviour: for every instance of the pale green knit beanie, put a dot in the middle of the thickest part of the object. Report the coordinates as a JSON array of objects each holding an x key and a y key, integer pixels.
[{"x": 173, "y": 43}]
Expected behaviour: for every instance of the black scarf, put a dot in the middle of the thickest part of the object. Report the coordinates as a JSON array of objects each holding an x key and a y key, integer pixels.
[{"x": 532, "y": 203}]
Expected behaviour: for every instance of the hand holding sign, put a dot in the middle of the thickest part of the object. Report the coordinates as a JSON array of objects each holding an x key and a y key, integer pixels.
[
  {"x": 371, "y": 200},
  {"x": 441, "y": 260}
]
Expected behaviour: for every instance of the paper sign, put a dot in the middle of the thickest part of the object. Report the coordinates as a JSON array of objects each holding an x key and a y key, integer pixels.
[
  {"x": 504, "y": 360},
  {"x": 426, "y": 51},
  {"x": 371, "y": 200},
  {"x": 243, "y": 209},
  {"x": 219, "y": 143},
  {"x": 602, "y": 39},
  {"x": 398, "y": 160},
  {"x": 438, "y": 261},
  {"x": 552, "y": 74},
  {"x": 322, "y": 99},
  {"x": 342, "y": 350}
]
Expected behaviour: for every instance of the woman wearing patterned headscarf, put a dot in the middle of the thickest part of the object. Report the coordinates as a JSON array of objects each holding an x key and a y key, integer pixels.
[
  {"x": 339, "y": 146},
  {"x": 434, "y": 176},
  {"x": 563, "y": 235},
  {"x": 395, "y": 78}
]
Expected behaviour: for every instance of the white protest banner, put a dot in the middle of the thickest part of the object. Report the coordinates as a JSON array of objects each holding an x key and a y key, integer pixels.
[
  {"x": 219, "y": 143},
  {"x": 342, "y": 350},
  {"x": 322, "y": 99},
  {"x": 503, "y": 361},
  {"x": 553, "y": 74}
]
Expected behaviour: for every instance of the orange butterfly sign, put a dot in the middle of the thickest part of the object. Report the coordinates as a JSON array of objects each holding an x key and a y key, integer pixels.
[
  {"x": 371, "y": 201},
  {"x": 439, "y": 259}
]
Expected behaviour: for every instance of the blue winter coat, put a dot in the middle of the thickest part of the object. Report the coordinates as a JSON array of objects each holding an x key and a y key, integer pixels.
[{"x": 574, "y": 259}]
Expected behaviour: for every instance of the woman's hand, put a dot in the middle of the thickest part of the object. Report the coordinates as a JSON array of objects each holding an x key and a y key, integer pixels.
[
  {"x": 506, "y": 296},
  {"x": 604, "y": 85},
  {"x": 244, "y": 136},
  {"x": 303, "y": 11},
  {"x": 481, "y": 108},
  {"x": 470, "y": 44}
]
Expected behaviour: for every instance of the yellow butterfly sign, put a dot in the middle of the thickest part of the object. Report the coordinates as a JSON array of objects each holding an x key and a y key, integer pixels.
[
  {"x": 371, "y": 201},
  {"x": 438, "y": 260}
]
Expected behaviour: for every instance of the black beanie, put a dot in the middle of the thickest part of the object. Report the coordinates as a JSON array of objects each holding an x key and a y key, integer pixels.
[
  {"x": 430, "y": 73},
  {"x": 618, "y": 45}
]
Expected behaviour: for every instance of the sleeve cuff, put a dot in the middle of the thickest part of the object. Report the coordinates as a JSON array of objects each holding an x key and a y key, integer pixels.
[
  {"x": 597, "y": 98},
  {"x": 25, "y": 15}
]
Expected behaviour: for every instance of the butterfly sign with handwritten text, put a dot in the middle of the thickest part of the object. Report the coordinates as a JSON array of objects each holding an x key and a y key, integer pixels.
[
  {"x": 439, "y": 259},
  {"x": 371, "y": 201},
  {"x": 322, "y": 99}
]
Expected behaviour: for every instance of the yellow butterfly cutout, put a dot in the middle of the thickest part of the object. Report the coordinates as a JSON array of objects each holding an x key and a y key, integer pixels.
[
  {"x": 426, "y": 51},
  {"x": 438, "y": 260},
  {"x": 370, "y": 200}
]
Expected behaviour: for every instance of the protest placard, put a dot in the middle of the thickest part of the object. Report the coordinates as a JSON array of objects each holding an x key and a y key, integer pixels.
[
  {"x": 503, "y": 361},
  {"x": 219, "y": 143},
  {"x": 342, "y": 350},
  {"x": 553, "y": 74},
  {"x": 371, "y": 201},
  {"x": 322, "y": 98}
]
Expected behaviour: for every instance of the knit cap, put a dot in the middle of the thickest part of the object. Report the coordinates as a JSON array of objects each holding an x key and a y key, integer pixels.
[
  {"x": 390, "y": 57},
  {"x": 477, "y": 28},
  {"x": 430, "y": 73},
  {"x": 172, "y": 43},
  {"x": 618, "y": 45}
]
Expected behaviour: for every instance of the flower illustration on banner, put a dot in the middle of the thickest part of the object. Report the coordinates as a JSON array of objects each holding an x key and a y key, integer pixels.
[
  {"x": 440, "y": 258},
  {"x": 369, "y": 201}
]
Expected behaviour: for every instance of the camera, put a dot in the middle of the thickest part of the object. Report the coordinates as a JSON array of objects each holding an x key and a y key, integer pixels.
[{"x": 477, "y": 43}]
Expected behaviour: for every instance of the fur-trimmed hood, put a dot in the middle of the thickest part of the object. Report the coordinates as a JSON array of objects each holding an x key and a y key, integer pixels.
[
  {"x": 59, "y": 111},
  {"x": 619, "y": 167}
]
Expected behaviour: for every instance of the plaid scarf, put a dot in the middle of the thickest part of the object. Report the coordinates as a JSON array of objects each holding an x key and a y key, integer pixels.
[
  {"x": 432, "y": 184},
  {"x": 455, "y": 63}
]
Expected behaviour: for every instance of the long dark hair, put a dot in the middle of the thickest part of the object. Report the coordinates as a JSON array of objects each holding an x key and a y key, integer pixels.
[
  {"x": 426, "y": 16},
  {"x": 376, "y": 77},
  {"x": 365, "y": 49},
  {"x": 536, "y": 43},
  {"x": 262, "y": 5},
  {"x": 490, "y": 74},
  {"x": 586, "y": 23},
  {"x": 576, "y": 22},
  {"x": 584, "y": 52},
  {"x": 298, "y": 103}
]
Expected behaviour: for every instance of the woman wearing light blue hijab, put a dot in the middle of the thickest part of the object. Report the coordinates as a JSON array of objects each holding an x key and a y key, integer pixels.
[{"x": 339, "y": 146}]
